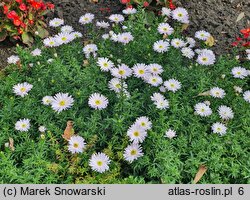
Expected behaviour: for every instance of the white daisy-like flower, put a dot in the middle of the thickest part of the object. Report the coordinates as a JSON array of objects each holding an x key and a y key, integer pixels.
[
  {"x": 47, "y": 100},
  {"x": 166, "y": 11},
  {"x": 238, "y": 89},
  {"x": 203, "y": 109},
  {"x": 90, "y": 48},
  {"x": 125, "y": 38},
  {"x": 114, "y": 37},
  {"x": 136, "y": 133},
  {"x": 248, "y": 56},
  {"x": 170, "y": 134},
  {"x": 219, "y": 128},
  {"x": 62, "y": 101},
  {"x": 22, "y": 89},
  {"x": 64, "y": 38},
  {"x": 67, "y": 29},
  {"x": 217, "y": 92},
  {"x": 225, "y": 112},
  {"x": 190, "y": 42},
  {"x": 105, "y": 36},
  {"x": 187, "y": 52},
  {"x": 247, "y": 51},
  {"x": 13, "y": 59},
  {"x": 246, "y": 96},
  {"x": 99, "y": 162},
  {"x": 117, "y": 18},
  {"x": 181, "y": 15},
  {"x": 42, "y": 129},
  {"x": 36, "y": 52},
  {"x": 98, "y": 101},
  {"x": 105, "y": 64},
  {"x": 102, "y": 24},
  {"x": 165, "y": 28},
  {"x": 122, "y": 71},
  {"x": 50, "y": 42},
  {"x": 117, "y": 85},
  {"x": 132, "y": 152},
  {"x": 56, "y": 22},
  {"x": 144, "y": 123},
  {"x": 206, "y": 58},
  {"x": 86, "y": 19},
  {"x": 162, "y": 89},
  {"x": 140, "y": 70},
  {"x": 161, "y": 46},
  {"x": 129, "y": 11},
  {"x": 172, "y": 85},
  {"x": 76, "y": 34},
  {"x": 76, "y": 144},
  {"x": 162, "y": 104},
  {"x": 202, "y": 35},
  {"x": 22, "y": 125},
  {"x": 157, "y": 97},
  {"x": 239, "y": 72},
  {"x": 154, "y": 80},
  {"x": 177, "y": 43},
  {"x": 155, "y": 69}
]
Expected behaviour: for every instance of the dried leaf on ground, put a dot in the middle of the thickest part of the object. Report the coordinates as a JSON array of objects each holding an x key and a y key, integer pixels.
[
  {"x": 69, "y": 131},
  {"x": 202, "y": 170},
  {"x": 240, "y": 16},
  {"x": 210, "y": 41}
]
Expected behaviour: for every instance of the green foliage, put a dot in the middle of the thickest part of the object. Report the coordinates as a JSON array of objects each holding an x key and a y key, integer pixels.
[{"x": 47, "y": 160}]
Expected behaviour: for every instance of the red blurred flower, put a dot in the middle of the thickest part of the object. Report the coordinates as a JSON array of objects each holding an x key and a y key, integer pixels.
[
  {"x": 23, "y": 7},
  {"x": 12, "y": 14},
  {"x": 5, "y": 9},
  {"x": 50, "y": 5},
  {"x": 171, "y": 5},
  {"x": 245, "y": 31},
  {"x": 125, "y": 1},
  {"x": 145, "y": 4},
  {"x": 36, "y": 5},
  {"x": 17, "y": 22},
  {"x": 19, "y": 1}
]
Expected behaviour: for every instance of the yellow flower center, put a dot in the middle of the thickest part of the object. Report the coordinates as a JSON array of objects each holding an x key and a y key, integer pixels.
[
  {"x": 97, "y": 102},
  {"x": 64, "y": 38},
  {"x": 160, "y": 47},
  {"x": 118, "y": 86},
  {"x": 105, "y": 64},
  {"x": 180, "y": 15},
  {"x": 23, "y": 125},
  {"x": 133, "y": 152},
  {"x": 143, "y": 124},
  {"x": 62, "y": 103},
  {"x": 204, "y": 59},
  {"x": 121, "y": 72},
  {"x": 154, "y": 80},
  {"x": 86, "y": 19},
  {"x": 202, "y": 110},
  {"x": 172, "y": 85},
  {"x": 136, "y": 133},
  {"x": 99, "y": 163},
  {"x": 75, "y": 145},
  {"x": 155, "y": 70},
  {"x": 23, "y": 89},
  {"x": 141, "y": 71},
  {"x": 217, "y": 93}
]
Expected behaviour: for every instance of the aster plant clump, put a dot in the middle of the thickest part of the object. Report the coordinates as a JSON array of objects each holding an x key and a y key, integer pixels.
[{"x": 144, "y": 104}]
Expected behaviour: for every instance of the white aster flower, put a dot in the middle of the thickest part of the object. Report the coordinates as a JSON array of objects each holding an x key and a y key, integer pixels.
[
  {"x": 86, "y": 19},
  {"x": 140, "y": 70},
  {"x": 238, "y": 89},
  {"x": 125, "y": 38},
  {"x": 22, "y": 89},
  {"x": 162, "y": 104},
  {"x": 165, "y": 28},
  {"x": 157, "y": 97},
  {"x": 166, "y": 12},
  {"x": 219, "y": 128},
  {"x": 172, "y": 85},
  {"x": 177, "y": 43},
  {"x": 98, "y": 101},
  {"x": 161, "y": 46},
  {"x": 117, "y": 85},
  {"x": 99, "y": 162},
  {"x": 36, "y": 52},
  {"x": 144, "y": 123},
  {"x": 225, "y": 112},
  {"x": 248, "y": 56},
  {"x": 170, "y": 134},
  {"x": 114, "y": 37},
  {"x": 181, "y": 15},
  {"x": 76, "y": 34},
  {"x": 202, "y": 35},
  {"x": 136, "y": 133},
  {"x": 47, "y": 100},
  {"x": 190, "y": 42},
  {"x": 129, "y": 11},
  {"x": 162, "y": 89},
  {"x": 154, "y": 80},
  {"x": 22, "y": 125},
  {"x": 64, "y": 38},
  {"x": 206, "y": 58},
  {"x": 76, "y": 144},
  {"x": 62, "y": 101},
  {"x": 202, "y": 109},
  {"x": 90, "y": 48},
  {"x": 13, "y": 59},
  {"x": 67, "y": 29},
  {"x": 105, "y": 36},
  {"x": 217, "y": 92},
  {"x": 50, "y": 42},
  {"x": 42, "y": 129},
  {"x": 155, "y": 69},
  {"x": 187, "y": 52},
  {"x": 102, "y": 24},
  {"x": 122, "y": 71},
  {"x": 246, "y": 96},
  {"x": 117, "y": 18},
  {"x": 105, "y": 64},
  {"x": 132, "y": 152},
  {"x": 239, "y": 72},
  {"x": 56, "y": 22}
]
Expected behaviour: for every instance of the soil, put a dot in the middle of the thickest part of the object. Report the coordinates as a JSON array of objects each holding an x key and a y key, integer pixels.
[{"x": 216, "y": 16}]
